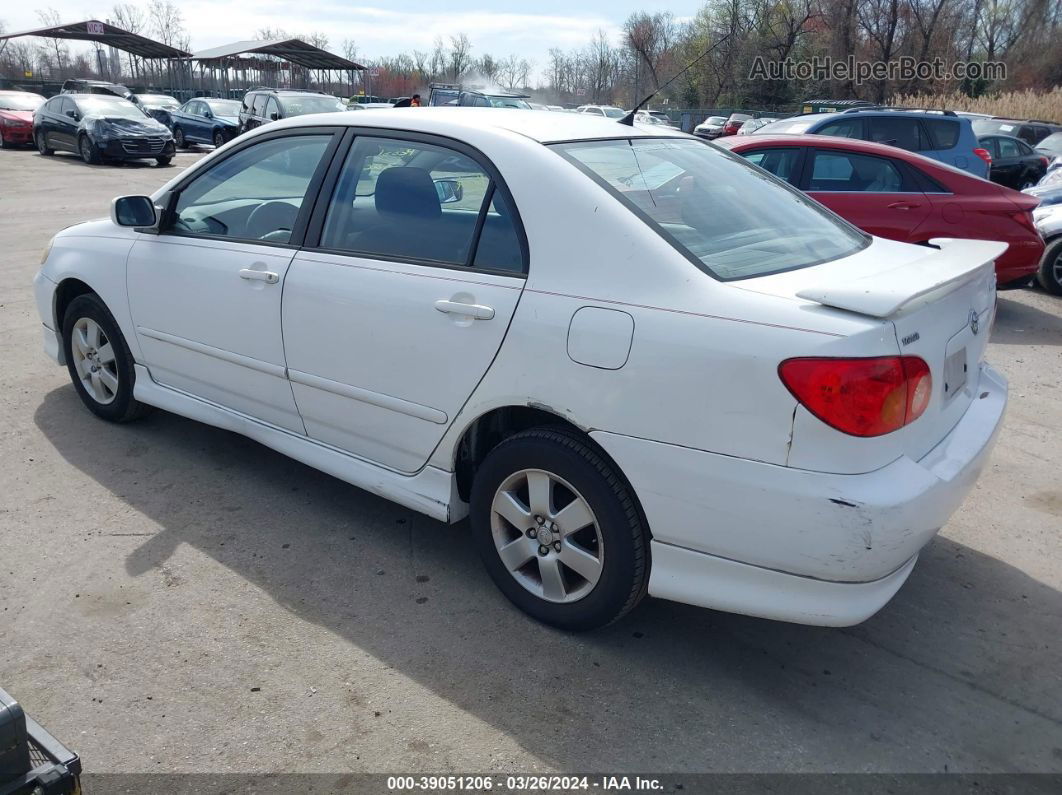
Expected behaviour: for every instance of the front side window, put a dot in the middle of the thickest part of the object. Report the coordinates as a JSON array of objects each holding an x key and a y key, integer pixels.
[
  {"x": 272, "y": 110},
  {"x": 780, "y": 162},
  {"x": 410, "y": 200},
  {"x": 255, "y": 194},
  {"x": 730, "y": 219},
  {"x": 854, "y": 173}
]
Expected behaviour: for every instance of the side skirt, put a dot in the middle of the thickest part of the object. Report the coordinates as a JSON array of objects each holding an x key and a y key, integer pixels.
[{"x": 432, "y": 491}]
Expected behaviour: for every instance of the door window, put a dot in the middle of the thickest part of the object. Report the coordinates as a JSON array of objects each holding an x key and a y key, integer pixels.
[
  {"x": 779, "y": 162},
  {"x": 259, "y": 104},
  {"x": 851, "y": 172},
  {"x": 499, "y": 246},
  {"x": 845, "y": 128},
  {"x": 1009, "y": 148},
  {"x": 898, "y": 131},
  {"x": 411, "y": 200},
  {"x": 255, "y": 194},
  {"x": 272, "y": 108}
]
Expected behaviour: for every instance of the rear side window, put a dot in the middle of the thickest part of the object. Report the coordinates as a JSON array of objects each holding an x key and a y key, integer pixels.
[
  {"x": 780, "y": 162},
  {"x": 409, "y": 200},
  {"x": 943, "y": 133},
  {"x": 848, "y": 172},
  {"x": 899, "y": 131},
  {"x": 698, "y": 198},
  {"x": 1009, "y": 148},
  {"x": 845, "y": 128}
]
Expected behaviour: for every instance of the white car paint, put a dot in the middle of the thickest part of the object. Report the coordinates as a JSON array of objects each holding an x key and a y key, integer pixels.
[{"x": 754, "y": 505}]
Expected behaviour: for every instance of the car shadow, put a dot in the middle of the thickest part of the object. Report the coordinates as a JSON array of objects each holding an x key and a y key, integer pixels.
[
  {"x": 1019, "y": 323},
  {"x": 961, "y": 669},
  {"x": 134, "y": 164}
]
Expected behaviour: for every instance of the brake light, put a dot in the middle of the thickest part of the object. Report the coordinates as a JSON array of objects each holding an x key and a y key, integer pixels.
[
  {"x": 984, "y": 154},
  {"x": 1025, "y": 218},
  {"x": 861, "y": 397},
  {"x": 1045, "y": 161}
]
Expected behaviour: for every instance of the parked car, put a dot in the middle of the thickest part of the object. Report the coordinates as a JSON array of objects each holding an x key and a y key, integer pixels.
[
  {"x": 940, "y": 136},
  {"x": 644, "y": 117},
  {"x": 902, "y": 195},
  {"x": 440, "y": 94},
  {"x": 608, "y": 111},
  {"x": 205, "y": 121},
  {"x": 82, "y": 85},
  {"x": 749, "y": 127},
  {"x": 734, "y": 123},
  {"x": 264, "y": 105},
  {"x": 1014, "y": 163},
  {"x": 100, "y": 127},
  {"x": 16, "y": 117},
  {"x": 157, "y": 106},
  {"x": 1048, "y": 218},
  {"x": 661, "y": 117},
  {"x": 710, "y": 128},
  {"x": 1051, "y": 146},
  {"x": 771, "y": 414},
  {"x": 1031, "y": 131}
]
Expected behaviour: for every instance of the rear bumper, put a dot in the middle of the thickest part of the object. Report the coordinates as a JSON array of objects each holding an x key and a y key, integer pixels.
[
  {"x": 797, "y": 545},
  {"x": 1020, "y": 260}
]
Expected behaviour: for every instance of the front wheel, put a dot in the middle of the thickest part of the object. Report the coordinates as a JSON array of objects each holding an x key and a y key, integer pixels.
[
  {"x": 219, "y": 139},
  {"x": 164, "y": 160},
  {"x": 1050, "y": 273},
  {"x": 559, "y": 531},
  {"x": 4, "y": 143},
  {"x": 178, "y": 138},
  {"x": 88, "y": 152},
  {"x": 99, "y": 361}
]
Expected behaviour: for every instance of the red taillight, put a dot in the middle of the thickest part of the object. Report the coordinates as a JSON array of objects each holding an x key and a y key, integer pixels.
[
  {"x": 984, "y": 154},
  {"x": 1025, "y": 218},
  {"x": 861, "y": 397},
  {"x": 1045, "y": 161}
]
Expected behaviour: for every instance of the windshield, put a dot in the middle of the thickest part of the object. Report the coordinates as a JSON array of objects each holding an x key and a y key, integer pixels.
[
  {"x": 731, "y": 219},
  {"x": 21, "y": 100},
  {"x": 224, "y": 107},
  {"x": 795, "y": 125},
  {"x": 508, "y": 102},
  {"x": 111, "y": 107},
  {"x": 296, "y": 105},
  {"x": 614, "y": 113}
]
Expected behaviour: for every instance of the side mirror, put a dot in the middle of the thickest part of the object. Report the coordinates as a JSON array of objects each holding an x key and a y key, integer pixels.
[
  {"x": 136, "y": 211},
  {"x": 72, "y": 114},
  {"x": 207, "y": 114},
  {"x": 274, "y": 115},
  {"x": 449, "y": 191}
]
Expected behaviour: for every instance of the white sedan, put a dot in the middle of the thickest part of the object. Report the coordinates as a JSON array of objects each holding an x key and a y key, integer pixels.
[{"x": 636, "y": 362}]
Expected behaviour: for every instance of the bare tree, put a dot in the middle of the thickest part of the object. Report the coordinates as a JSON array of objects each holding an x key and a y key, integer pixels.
[
  {"x": 50, "y": 18},
  {"x": 460, "y": 56},
  {"x": 132, "y": 18}
]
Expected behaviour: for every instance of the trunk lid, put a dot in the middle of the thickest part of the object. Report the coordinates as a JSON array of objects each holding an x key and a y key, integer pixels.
[{"x": 939, "y": 302}]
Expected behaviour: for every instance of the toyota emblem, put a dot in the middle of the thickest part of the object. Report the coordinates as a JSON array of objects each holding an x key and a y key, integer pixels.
[{"x": 973, "y": 321}]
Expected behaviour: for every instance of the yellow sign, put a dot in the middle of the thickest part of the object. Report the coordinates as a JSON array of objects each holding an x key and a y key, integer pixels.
[{"x": 27, "y": 73}]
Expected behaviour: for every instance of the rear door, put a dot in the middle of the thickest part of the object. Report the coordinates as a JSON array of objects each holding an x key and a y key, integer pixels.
[
  {"x": 1007, "y": 166},
  {"x": 875, "y": 193},
  {"x": 398, "y": 303}
]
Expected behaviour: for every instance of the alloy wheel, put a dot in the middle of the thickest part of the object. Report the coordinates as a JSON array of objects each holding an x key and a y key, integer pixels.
[
  {"x": 86, "y": 150},
  {"x": 178, "y": 136},
  {"x": 547, "y": 536},
  {"x": 219, "y": 139},
  {"x": 94, "y": 360},
  {"x": 1056, "y": 268}
]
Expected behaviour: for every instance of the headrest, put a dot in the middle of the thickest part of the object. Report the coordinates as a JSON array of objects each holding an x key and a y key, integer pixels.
[{"x": 407, "y": 191}]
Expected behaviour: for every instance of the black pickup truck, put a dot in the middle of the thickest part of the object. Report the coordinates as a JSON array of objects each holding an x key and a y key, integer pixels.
[{"x": 31, "y": 760}]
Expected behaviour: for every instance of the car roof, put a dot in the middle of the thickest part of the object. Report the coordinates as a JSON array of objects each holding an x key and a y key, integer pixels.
[
  {"x": 542, "y": 127},
  {"x": 857, "y": 112}
]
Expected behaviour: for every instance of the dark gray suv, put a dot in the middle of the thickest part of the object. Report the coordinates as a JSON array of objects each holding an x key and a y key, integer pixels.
[{"x": 263, "y": 105}]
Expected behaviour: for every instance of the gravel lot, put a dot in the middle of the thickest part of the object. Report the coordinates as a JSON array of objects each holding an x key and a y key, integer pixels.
[{"x": 175, "y": 598}]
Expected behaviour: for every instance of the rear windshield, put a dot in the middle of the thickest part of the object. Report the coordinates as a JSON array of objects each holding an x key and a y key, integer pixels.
[
  {"x": 796, "y": 125},
  {"x": 731, "y": 219},
  {"x": 996, "y": 127},
  {"x": 22, "y": 100},
  {"x": 224, "y": 107}
]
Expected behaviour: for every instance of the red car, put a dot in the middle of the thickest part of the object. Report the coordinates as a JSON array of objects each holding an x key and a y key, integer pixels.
[
  {"x": 897, "y": 194},
  {"x": 16, "y": 117}
]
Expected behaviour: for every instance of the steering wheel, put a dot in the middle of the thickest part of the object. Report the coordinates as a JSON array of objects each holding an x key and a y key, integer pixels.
[{"x": 267, "y": 219}]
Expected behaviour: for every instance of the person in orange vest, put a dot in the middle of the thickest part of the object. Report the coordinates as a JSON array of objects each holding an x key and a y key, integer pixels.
[{"x": 415, "y": 101}]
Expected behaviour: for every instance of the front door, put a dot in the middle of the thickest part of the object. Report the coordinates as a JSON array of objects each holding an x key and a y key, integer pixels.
[
  {"x": 205, "y": 294},
  {"x": 393, "y": 316}
]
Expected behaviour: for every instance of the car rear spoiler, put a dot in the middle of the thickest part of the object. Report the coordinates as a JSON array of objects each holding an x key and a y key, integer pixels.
[{"x": 885, "y": 291}]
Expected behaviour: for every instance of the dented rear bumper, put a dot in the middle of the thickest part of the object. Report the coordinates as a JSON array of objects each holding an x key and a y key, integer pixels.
[{"x": 799, "y": 527}]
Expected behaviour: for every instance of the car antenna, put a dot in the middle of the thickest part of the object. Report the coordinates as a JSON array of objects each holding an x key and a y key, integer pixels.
[{"x": 629, "y": 118}]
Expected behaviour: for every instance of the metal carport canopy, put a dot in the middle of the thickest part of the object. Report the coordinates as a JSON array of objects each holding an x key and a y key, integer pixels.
[
  {"x": 104, "y": 33},
  {"x": 294, "y": 50}
]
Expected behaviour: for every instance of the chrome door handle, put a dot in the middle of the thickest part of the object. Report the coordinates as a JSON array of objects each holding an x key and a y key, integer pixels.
[
  {"x": 478, "y": 311},
  {"x": 261, "y": 276}
]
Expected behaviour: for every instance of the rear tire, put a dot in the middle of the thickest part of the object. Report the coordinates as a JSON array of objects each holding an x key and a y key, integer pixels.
[
  {"x": 593, "y": 567},
  {"x": 42, "y": 144},
  {"x": 1050, "y": 273},
  {"x": 88, "y": 152},
  {"x": 99, "y": 361}
]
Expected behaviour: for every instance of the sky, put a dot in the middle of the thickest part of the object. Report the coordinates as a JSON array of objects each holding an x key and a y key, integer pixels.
[{"x": 528, "y": 28}]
